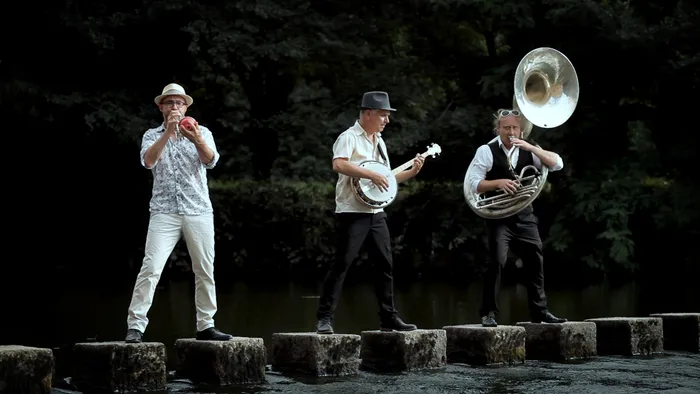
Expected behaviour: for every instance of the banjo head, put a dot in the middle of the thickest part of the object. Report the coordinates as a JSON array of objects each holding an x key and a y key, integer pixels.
[{"x": 369, "y": 193}]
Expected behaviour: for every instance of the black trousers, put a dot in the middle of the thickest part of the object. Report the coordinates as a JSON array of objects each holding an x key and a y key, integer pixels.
[
  {"x": 354, "y": 229},
  {"x": 520, "y": 233}
]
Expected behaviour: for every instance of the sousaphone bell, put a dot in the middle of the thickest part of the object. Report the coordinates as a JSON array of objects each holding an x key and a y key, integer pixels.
[{"x": 546, "y": 94}]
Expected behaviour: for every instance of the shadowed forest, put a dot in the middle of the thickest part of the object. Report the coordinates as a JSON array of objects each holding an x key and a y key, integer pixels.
[{"x": 277, "y": 81}]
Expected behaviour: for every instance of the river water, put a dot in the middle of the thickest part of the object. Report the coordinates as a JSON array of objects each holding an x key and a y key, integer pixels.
[
  {"x": 77, "y": 312},
  {"x": 82, "y": 311}
]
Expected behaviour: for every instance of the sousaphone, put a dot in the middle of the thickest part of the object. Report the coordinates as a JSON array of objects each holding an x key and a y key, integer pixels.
[{"x": 546, "y": 94}]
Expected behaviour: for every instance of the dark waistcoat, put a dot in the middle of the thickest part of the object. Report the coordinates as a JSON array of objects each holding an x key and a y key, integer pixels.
[{"x": 500, "y": 169}]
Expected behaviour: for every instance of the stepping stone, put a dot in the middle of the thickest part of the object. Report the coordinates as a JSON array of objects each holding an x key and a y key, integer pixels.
[
  {"x": 560, "y": 341},
  {"x": 681, "y": 331},
  {"x": 240, "y": 360},
  {"x": 119, "y": 367},
  {"x": 629, "y": 336},
  {"x": 25, "y": 369},
  {"x": 477, "y": 345},
  {"x": 316, "y": 354},
  {"x": 395, "y": 351}
]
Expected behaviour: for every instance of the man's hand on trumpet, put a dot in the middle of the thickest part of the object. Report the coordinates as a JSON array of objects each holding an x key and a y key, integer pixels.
[
  {"x": 507, "y": 185},
  {"x": 171, "y": 122}
]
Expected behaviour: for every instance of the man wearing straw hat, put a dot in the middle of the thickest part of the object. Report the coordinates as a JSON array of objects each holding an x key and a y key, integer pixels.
[{"x": 180, "y": 205}]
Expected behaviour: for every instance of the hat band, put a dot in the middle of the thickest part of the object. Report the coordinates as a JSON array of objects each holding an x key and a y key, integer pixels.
[{"x": 173, "y": 93}]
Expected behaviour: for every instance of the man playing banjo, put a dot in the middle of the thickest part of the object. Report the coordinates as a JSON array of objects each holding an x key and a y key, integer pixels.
[
  {"x": 490, "y": 171},
  {"x": 357, "y": 223}
]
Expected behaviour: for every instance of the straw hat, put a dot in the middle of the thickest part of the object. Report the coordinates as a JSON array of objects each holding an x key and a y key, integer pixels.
[{"x": 174, "y": 89}]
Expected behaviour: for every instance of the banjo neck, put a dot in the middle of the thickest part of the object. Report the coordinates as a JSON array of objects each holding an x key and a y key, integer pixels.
[
  {"x": 406, "y": 165},
  {"x": 371, "y": 196}
]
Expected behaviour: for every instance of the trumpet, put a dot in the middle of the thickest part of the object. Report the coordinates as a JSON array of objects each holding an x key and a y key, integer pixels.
[{"x": 178, "y": 134}]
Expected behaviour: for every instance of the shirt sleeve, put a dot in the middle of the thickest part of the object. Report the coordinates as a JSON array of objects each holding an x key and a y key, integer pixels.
[
  {"x": 557, "y": 166},
  {"x": 480, "y": 165},
  {"x": 149, "y": 138},
  {"x": 209, "y": 140},
  {"x": 343, "y": 146}
]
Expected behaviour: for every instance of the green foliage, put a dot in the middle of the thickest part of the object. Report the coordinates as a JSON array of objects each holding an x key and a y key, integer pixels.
[
  {"x": 274, "y": 224},
  {"x": 289, "y": 226},
  {"x": 277, "y": 81}
]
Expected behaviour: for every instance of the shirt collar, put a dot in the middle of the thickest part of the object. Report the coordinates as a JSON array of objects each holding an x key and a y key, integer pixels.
[
  {"x": 500, "y": 143},
  {"x": 359, "y": 130}
]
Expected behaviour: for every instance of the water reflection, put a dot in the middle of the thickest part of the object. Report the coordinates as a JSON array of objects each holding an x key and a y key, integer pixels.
[{"x": 261, "y": 309}]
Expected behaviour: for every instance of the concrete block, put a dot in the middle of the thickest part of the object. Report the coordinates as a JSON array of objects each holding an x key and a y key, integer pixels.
[
  {"x": 119, "y": 367},
  {"x": 316, "y": 354},
  {"x": 25, "y": 370},
  {"x": 629, "y": 336},
  {"x": 681, "y": 331},
  {"x": 396, "y": 351},
  {"x": 560, "y": 341},
  {"x": 477, "y": 345},
  {"x": 221, "y": 363}
]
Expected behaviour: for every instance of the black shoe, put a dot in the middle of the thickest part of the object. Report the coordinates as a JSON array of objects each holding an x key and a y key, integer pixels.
[
  {"x": 548, "y": 318},
  {"x": 212, "y": 334},
  {"x": 133, "y": 336},
  {"x": 394, "y": 323},
  {"x": 489, "y": 320},
  {"x": 323, "y": 326}
]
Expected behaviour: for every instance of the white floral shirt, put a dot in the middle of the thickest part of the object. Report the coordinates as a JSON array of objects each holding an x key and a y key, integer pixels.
[{"x": 179, "y": 176}]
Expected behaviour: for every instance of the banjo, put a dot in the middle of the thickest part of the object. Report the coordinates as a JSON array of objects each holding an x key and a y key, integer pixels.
[{"x": 369, "y": 194}]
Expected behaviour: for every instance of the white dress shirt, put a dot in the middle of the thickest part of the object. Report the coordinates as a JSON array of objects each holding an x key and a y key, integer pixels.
[
  {"x": 483, "y": 161},
  {"x": 354, "y": 144}
]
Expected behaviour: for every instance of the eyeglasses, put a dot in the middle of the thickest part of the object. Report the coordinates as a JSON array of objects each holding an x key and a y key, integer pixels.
[
  {"x": 170, "y": 103},
  {"x": 509, "y": 112}
]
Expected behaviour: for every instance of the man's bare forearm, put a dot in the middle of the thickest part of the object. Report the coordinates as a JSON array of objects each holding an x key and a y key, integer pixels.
[
  {"x": 548, "y": 158},
  {"x": 206, "y": 154},
  {"x": 150, "y": 158},
  {"x": 403, "y": 176},
  {"x": 346, "y": 168}
]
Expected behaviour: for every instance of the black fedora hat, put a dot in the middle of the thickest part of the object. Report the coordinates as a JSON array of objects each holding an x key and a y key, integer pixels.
[{"x": 376, "y": 100}]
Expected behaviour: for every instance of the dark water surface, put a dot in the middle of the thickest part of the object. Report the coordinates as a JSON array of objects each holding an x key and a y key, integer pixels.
[
  {"x": 79, "y": 311},
  {"x": 259, "y": 310}
]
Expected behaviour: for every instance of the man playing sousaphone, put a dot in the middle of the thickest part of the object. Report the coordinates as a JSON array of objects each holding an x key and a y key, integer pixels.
[{"x": 491, "y": 170}]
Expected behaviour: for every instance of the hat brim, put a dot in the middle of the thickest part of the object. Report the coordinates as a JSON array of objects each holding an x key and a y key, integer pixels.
[
  {"x": 385, "y": 109},
  {"x": 188, "y": 99}
]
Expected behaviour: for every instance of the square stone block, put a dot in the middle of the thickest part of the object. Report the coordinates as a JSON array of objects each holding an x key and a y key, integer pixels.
[
  {"x": 560, "y": 341},
  {"x": 681, "y": 331},
  {"x": 25, "y": 369},
  {"x": 316, "y": 354},
  {"x": 395, "y": 351},
  {"x": 477, "y": 345},
  {"x": 119, "y": 367},
  {"x": 221, "y": 363},
  {"x": 629, "y": 336}
]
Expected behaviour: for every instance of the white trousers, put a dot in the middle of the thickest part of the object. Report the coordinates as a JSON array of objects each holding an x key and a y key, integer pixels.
[{"x": 164, "y": 231}]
